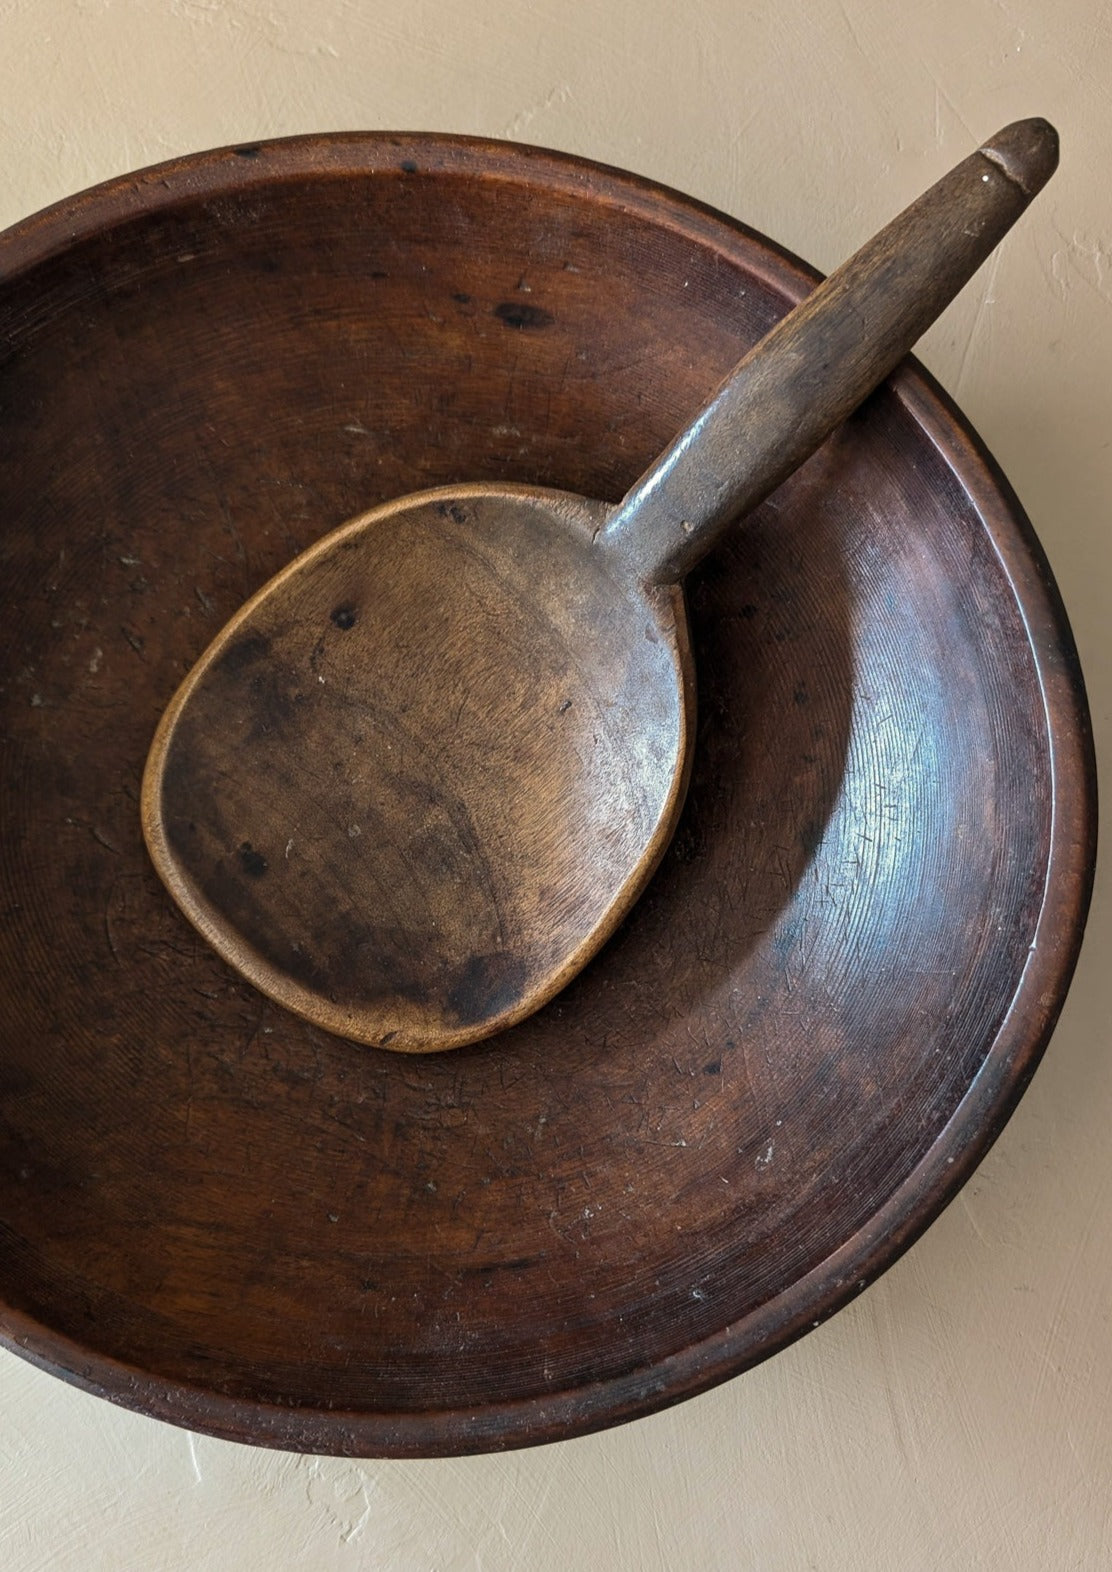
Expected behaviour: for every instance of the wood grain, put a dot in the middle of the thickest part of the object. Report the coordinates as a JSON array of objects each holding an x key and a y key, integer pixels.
[
  {"x": 418, "y": 780},
  {"x": 818, "y": 363},
  {"x": 421, "y": 777},
  {"x": 803, "y": 1038}
]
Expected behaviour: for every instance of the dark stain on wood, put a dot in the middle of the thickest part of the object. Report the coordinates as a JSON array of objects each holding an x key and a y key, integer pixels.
[
  {"x": 489, "y": 985},
  {"x": 517, "y": 314},
  {"x": 252, "y": 861},
  {"x": 246, "y": 652}
]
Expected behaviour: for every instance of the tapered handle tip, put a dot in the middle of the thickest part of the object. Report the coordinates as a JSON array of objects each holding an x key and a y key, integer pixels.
[{"x": 1027, "y": 152}]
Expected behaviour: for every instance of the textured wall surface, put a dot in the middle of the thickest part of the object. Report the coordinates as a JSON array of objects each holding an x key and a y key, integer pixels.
[{"x": 959, "y": 1414}]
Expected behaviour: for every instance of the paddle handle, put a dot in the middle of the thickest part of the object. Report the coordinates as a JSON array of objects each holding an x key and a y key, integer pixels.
[{"x": 818, "y": 363}]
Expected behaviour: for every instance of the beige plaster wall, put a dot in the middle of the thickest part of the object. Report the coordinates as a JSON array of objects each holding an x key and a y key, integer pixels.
[{"x": 958, "y": 1415}]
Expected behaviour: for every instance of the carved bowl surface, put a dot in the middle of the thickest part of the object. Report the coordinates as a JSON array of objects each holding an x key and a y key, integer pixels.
[{"x": 811, "y": 1027}]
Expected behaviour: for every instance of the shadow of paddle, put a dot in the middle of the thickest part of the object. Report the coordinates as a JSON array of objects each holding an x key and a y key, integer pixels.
[{"x": 771, "y": 625}]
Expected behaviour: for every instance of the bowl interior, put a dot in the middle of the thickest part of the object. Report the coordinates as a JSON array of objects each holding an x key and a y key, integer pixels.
[{"x": 810, "y": 1026}]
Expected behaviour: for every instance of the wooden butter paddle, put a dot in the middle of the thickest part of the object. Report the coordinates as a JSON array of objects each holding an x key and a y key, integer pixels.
[{"x": 416, "y": 782}]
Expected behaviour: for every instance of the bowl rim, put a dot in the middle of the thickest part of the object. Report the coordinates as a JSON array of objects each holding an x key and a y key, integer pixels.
[{"x": 1010, "y": 1059}]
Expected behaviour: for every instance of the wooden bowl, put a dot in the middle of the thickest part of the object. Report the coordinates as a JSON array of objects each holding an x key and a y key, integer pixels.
[{"x": 811, "y": 1027}]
